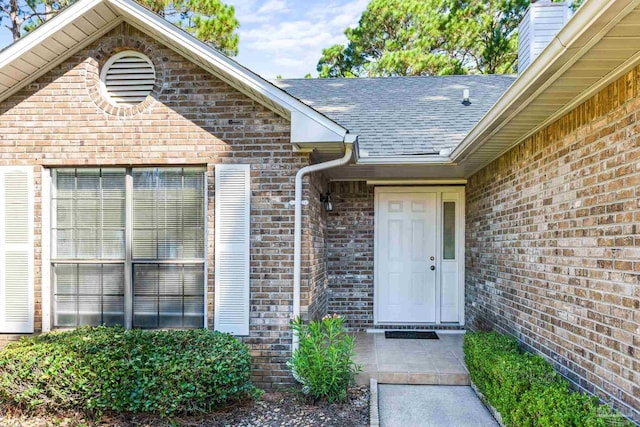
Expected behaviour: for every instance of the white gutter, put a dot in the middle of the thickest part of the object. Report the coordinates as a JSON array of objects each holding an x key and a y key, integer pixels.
[{"x": 350, "y": 141}]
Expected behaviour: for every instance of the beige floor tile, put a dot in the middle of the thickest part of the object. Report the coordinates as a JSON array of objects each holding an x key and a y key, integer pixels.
[
  {"x": 393, "y": 367},
  {"x": 425, "y": 367}
]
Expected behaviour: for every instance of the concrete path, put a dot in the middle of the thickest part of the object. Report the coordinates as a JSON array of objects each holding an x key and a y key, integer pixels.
[{"x": 431, "y": 406}]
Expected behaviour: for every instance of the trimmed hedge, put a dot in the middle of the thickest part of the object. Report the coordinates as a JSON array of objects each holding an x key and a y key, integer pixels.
[
  {"x": 526, "y": 390},
  {"x": 104, "y": 368}
]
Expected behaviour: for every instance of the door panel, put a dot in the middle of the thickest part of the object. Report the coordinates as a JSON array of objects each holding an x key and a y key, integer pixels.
[{"x": 407, "y": 239}]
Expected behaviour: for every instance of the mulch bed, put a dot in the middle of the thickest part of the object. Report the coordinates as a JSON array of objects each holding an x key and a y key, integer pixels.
[{"x": 281, "y": 409}]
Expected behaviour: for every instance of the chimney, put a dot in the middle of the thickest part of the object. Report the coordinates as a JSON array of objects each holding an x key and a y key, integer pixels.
[{"x": 541, "y": 22}]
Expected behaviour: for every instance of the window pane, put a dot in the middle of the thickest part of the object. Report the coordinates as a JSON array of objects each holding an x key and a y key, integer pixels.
[
  {"x": 89, "y": 219},
  {"x": 88, "y": 294},
  {"x": 168, "y": 213},
  {"x": 89, "y": 213},
  {"x": 449, "y": 231},
  {"x": 168, "y": 295}
]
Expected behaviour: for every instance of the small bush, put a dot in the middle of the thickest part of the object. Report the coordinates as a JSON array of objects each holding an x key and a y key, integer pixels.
[
  {"x": 526, "y": 390},
  {"x": 102, "y": 368},
  {"x": 323, "y": 361}
]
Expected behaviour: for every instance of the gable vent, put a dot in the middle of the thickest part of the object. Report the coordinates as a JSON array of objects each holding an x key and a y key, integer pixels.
[{"x": 127, "y": 78}]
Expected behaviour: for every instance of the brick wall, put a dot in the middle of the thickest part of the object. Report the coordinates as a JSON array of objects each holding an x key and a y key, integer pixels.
[
  {"x": 194, "y": 118},
  {"x": 350, "y": 253},
  {"x": 314, "y": 249},
  {"x": 553, "y": 244}
]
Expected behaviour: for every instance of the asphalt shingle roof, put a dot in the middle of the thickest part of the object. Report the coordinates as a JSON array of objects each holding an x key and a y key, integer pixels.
[{"x": 396, "y": 116}]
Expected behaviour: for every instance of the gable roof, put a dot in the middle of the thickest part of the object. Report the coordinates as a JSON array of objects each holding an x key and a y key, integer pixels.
[
  {"x": 87, "y": 20},
  {"x": 402, "y": 116}
]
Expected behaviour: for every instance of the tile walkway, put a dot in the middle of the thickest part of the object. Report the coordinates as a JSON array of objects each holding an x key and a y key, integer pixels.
[{"x": 400, "y": 361}]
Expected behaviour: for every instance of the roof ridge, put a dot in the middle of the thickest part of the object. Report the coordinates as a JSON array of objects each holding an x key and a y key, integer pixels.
[{"x": 329, "y": 79}]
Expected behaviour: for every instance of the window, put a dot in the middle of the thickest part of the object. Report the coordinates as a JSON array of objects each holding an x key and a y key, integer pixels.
[
  {"x": 449, "y": 230},
  {"x": 160, "y": 276}
]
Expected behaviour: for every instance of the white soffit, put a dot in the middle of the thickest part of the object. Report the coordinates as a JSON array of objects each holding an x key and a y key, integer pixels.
[
  {"x": 598, "y": 45},
  {"x": 87, "y": 20}
]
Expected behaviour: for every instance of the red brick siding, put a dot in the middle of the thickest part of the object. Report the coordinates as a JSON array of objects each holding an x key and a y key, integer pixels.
[
  {"x": 553, "y": 244},
  {"x": 194, "y": 119}
]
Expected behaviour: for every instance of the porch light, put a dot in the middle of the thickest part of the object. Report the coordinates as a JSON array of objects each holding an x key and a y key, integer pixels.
[
  {"x": 327, "y": 201},
  {"x": 465, "y": 97}
]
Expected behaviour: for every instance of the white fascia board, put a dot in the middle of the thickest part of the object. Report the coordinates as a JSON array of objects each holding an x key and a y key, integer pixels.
[
  {"x": 572, "y": 42},
  {"x": 305, "y": 129},
  {"x": 406, "y": 160},
  {"x": 327, "y": 129}
]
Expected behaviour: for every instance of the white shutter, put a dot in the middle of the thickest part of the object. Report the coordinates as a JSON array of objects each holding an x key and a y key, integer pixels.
[
  {"x": 232, "y": 215},
  {"x": 16, "y": 250}
]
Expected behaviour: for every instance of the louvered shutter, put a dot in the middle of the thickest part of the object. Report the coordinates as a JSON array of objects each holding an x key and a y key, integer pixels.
[
  {"x": 232, "y": 214},
  {"x": 16, "y": 250}
]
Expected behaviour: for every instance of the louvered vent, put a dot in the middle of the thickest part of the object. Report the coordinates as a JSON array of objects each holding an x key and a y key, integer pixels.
[{"x": 128, "y": 78}]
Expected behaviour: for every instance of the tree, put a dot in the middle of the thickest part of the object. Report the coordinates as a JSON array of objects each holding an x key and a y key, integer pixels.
[
  {"x": 23, "y": 16},
  {"x": 428, "y": 37},
  {"x": 211, "y": 21}
]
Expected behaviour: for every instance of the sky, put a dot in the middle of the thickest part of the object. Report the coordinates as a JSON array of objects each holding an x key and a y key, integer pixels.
[{"x": 284, "y": 37}]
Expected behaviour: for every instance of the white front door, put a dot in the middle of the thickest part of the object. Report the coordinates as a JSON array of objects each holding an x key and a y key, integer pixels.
[{"x": 418, "y": 255}]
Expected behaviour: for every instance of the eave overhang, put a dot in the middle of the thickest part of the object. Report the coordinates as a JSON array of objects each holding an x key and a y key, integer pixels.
[{"x": 598, "y": 45}]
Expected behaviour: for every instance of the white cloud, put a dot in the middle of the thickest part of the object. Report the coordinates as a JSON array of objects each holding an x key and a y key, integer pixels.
[
  {"x": 287, "y": 39},
  {"x": 273, "y": 7}
]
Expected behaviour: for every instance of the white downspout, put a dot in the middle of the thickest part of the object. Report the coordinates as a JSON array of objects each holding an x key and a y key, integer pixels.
[{"x": 297, "y": 237}]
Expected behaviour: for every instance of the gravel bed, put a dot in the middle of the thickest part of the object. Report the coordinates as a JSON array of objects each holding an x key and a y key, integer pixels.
[{"x": 275, "y": 409}]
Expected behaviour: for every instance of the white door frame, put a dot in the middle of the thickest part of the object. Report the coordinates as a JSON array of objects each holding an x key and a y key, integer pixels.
[{"x": 460, "y": 241}]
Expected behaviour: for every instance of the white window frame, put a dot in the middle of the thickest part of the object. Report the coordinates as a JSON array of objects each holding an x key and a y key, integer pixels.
[{"x": 48, "y": 242}]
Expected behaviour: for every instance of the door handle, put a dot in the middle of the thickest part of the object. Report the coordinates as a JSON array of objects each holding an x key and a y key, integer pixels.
[{"x": 433, "y": 267}]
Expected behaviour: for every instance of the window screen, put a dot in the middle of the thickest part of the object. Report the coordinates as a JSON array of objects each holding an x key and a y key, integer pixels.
[
  {"x": 89, "y": 253},
  {"x": 168, "y": 295},
  {"x": 168, "y": 221},
  {"x": 88, "y": 226},
  {"x": 89, "y": 213},
  {"x": 168, "y": 224}
]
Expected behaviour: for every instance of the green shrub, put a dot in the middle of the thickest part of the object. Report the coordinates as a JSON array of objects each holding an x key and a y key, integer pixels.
[
  {"x": 102, "y": 368},
  {"x": 526, "y": 390},
  {"x": 323, "y": 361}
]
